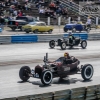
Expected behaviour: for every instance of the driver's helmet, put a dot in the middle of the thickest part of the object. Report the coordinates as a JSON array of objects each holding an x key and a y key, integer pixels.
[{"x": 66, "y": 54}]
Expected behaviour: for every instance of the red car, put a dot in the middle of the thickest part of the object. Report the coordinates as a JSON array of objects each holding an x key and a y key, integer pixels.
[{"x": 56, "y": 69}]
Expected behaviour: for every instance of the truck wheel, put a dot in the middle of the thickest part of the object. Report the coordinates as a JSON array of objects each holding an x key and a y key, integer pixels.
[
  {"x": 84, "y": 44},
  {"x": 87, "y": 72},
  {"x": 24, "y": 73},
  {"x": 63, "y": 45},
  {"x": 46, "y": 77},
  {"x": 52, "y": 44}
]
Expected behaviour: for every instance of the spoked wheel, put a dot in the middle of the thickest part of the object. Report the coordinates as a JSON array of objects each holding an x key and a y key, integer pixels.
[
  {"x": 52, "y": 44},
  {"x": 46, "y": 77},
  {"x": 84, "y": 44},
  {"x": 63, "y": 45},
  {"x": 24, "y": 73},
  {"x": 87, "y": 72}
]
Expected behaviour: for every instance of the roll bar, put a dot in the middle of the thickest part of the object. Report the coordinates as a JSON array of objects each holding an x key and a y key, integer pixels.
[{"x": 46, "y": 58}]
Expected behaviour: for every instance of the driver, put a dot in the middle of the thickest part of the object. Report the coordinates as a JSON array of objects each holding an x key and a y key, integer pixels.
[
  {"x": 69, "y": 60},
  {"x": 71, "y": 38}
]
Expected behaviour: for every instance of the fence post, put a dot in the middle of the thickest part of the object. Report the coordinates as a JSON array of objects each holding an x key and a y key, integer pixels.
[
  {"x": 48, "y": 20},
  {"x": 59, "y": 21},
  {"x": 69, "y": 20},
  {"x": 38, "y": 18},
  {"x": 79, "y": 18},
  {"x": 97, "y": 20}
]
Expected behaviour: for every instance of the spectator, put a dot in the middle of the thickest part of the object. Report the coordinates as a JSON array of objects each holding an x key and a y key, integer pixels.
[
  {"x": 25, "y": 6},
  {"x": 20, "y": 13},
  {"x": 15, "y": 13},
  {"x": 52, "y": 6},
  {"x": 7, "y": 3},
  {"x": 57, "y": 2},
  {"x": 29, "y": 6},
  {"x": 47, "y": 12},
  {"x": 65, "y": 13},
  {"x": 41, "y": 11},
  {"x": 88, "y": 23},
  {"x": 2, "y": 21}
]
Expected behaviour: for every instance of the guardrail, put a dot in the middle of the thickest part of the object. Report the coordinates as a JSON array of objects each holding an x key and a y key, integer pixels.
[
  {"x": 0, "y": 30},
  {"x": 24, "y": 38},
  {"x": 37, "y": 38},
  {"x": 82, "y": 93},
  {"x": 30, "y": 38}
]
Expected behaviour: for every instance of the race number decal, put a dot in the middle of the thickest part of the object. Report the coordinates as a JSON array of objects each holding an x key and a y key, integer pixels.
[{"x": 67, "y": 69}]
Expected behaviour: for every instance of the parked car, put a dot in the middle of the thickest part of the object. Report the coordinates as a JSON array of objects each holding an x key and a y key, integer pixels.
[
  {"x": 48, "y": 71},
  {"x": 36, "y": 27},
  {"x": 76, "y": 27},
  {"x": 20, "y": 21}
]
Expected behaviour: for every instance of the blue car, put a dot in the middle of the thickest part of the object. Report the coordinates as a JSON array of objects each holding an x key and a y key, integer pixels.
[{"x": 76, "y": 27}]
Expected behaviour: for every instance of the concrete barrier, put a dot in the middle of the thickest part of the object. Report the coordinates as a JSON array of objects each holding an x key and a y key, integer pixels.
[
  {"x": 81, "y": 35},
  {"x": 78, "y": 93},
  {"x": 5, "y": 39},
  {"x": 0, "y": 30},
  {"x": 44, "y": 38},
  {"x": 91, "y": 93},
  {"x": 24, "y": 38},
  {"x": 81, "y": 93},
  {"x": 94, "y": 36},
  {"x": 62, "y": 95}
]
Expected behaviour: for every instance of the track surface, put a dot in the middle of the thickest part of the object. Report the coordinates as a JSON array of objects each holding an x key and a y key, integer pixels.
[{"x": 25, "y": 54}]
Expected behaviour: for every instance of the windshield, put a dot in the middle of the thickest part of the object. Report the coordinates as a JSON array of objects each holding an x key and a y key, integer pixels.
[
  {"x": 32, "y": 23},
  {"x": 60, "y": 59},
  {"x": 29, "y": 19}
]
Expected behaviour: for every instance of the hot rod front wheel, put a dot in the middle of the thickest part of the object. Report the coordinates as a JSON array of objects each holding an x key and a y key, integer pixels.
[
  {"x": 24, "y": 73},
  {"x": 87, "y": 72},
  {"x": 84, "y": 44},
  {"x": 52, "y": 44},
  {"x": 46, "y": 77},
  {"x": 63, "y": 45}
]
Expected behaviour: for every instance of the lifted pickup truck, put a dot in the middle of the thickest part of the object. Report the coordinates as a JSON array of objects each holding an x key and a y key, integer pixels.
[{"x": 20, "y": 21}]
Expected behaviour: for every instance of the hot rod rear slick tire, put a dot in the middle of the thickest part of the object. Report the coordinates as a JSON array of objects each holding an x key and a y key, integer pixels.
[
  {"x": 52, "y": 44},
  {"x": 24, "y": 73},
  {"x": 87, "y": 72},
  {"x": 63, "y": 45},
  {"x": 46, "y": 77},
  {"x": 84, "y": 44}
]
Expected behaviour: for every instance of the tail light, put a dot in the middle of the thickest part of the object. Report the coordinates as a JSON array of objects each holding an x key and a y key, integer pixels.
[{"x": 16, "y": 23}]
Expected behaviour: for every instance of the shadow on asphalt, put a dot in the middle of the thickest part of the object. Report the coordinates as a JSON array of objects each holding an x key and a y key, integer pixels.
[{"x": 56, "y": 81}]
